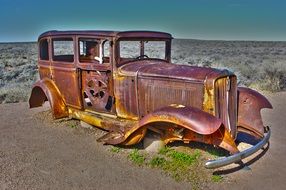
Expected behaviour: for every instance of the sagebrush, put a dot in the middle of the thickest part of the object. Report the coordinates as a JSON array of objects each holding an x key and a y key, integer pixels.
[{"x": 259, "y": 65}]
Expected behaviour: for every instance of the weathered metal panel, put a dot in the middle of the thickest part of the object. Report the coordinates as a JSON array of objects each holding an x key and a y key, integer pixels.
[
  {"x": 46, "y": 89},
  {"x": 126, "y": 97},
  {"x": 125, "y": 34},
  {"x": 158, "y": 68},
  {"x": 250, "y": 104},
  {"x": 143, "y": 34},
  {"x": 158, "y": 93},
  {"x": 226, "y": 102},
  {"x": 44, "y": 69},
  {"x": 66, "y": 79},
  {"x": 96, "y": 91}
]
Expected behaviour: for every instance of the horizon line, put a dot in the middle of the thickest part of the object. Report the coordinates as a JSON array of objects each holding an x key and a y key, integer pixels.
[{"x": 197, "y": 39}]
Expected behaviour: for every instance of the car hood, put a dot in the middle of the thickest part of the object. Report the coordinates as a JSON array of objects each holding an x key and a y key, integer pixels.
[{"x": 155, "y": 68}]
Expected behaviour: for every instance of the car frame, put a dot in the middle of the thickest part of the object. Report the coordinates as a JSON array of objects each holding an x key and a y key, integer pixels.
[{"x": 130, "y": 96}]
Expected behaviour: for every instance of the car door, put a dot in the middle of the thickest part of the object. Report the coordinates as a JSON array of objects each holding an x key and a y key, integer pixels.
[
  {"x": 64, "y": 71},
  {"x": 96, "y": 74}
]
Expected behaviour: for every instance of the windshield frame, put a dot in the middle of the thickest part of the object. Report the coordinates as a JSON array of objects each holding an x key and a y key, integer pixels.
[{"x": 167, "y": 49}]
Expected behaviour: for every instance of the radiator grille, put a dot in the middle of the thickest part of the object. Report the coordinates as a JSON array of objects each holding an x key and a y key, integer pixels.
[
  {"x": 155, "y": 94},
  {"x": 226, "y": 103}
]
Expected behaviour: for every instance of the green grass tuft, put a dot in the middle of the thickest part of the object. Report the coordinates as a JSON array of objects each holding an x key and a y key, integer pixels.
[
  {"x": 115, "y": 149},
  {"x": 183, "y": 158},
  {"x": 177, "y": 164},
  {"x": 217, "y": 178},
  {"x": 158, "y": 162},
  {"x": 165, "y": 150},
  {"x": 73, "y": 125},
  {"x": 136, "y": 157}
]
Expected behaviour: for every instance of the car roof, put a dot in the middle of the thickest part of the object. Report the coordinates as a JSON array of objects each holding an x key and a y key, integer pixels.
[{"x": 106, "y": 33}]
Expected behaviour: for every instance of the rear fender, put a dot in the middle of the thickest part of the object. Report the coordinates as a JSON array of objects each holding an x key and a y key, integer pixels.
[
  {"x": 250, "y": 103},
  {"x": 46, "y": 90}
]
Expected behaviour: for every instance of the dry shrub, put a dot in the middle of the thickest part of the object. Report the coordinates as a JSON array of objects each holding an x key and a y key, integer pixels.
[
  {"x": 18, "y": 71},
  {"x": 257, "y": 64},
  {"x": 273, "y": 76},
  {"x": 15, "y": 93}
]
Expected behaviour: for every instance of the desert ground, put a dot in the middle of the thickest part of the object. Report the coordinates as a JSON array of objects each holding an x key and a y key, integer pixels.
[{"x": 39, "y": 153}]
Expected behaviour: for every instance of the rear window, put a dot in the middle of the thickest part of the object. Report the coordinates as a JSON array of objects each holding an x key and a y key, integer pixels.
[
  {"x": 44, "y": 49},
  {"x": 63, "y": 50}
]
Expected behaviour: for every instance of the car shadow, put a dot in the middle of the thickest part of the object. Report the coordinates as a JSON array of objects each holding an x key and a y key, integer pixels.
[{"x": 241, "y": 164}]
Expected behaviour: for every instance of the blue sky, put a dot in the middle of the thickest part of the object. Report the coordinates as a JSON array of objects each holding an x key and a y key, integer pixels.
[{"x": 24, "y": 20}]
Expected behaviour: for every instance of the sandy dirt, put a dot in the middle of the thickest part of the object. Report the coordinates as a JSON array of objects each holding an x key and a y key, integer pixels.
[
  {"x": 267, "y": 168},
  {"x": 38, "y": 153}
]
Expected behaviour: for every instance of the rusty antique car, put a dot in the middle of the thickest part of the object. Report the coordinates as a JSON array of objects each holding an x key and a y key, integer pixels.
[{"x": 125, "y": 83}]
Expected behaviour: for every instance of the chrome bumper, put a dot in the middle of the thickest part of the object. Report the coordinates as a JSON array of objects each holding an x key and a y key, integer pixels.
[{"x": 211, "y": 164}]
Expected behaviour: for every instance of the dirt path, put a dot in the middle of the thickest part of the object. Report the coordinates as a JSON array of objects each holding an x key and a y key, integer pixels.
[{"x": 40, "y": 155}]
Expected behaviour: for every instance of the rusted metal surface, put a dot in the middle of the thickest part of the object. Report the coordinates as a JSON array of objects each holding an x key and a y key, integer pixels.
[
  {"x": 130, "y": 96},
  {"x": 209, "y": 95},
  {"x": 188, "y": 117},
  {"x": 46, "y": 90},
  {"x": 143, "y": 34},
  {"x": 174, "y": 92},
  {"x": 118, "y": 34},
  {"x": 221, "y": 138},
  {"x": 149, "y": 68},
  {"x": 226, "y": 102},
  {"x": 125, "y": 91},
  {"x": 177, "y": 123},
  {"x": 250, "y": 104},
  {"x": 67, "y": 82},
  {"x": 96, "y": 88},
  {"x": 96, "y": 33}
]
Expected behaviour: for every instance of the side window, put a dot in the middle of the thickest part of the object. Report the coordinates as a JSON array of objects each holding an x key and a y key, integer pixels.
[
  {"x": 94, "y": 50},
  {"x": 106, "y": 48},
  {"x": 106, "y": 51},
  {"x": 63, "y": 50},
  {"x": 44, "y": 49},
  {"x": 89, "y": 50}
]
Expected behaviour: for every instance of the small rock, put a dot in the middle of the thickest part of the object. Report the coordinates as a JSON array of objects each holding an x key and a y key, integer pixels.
[
  {"x": 152, "y": 143},
  {"x": 85, "y": 125}
]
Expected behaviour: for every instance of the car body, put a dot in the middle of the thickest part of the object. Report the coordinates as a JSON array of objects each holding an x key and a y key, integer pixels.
[{"x": 125, "y": 83}]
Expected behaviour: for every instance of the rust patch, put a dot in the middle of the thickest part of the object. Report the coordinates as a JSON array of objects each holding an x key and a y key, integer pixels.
[{"x": 250, "y": 104}]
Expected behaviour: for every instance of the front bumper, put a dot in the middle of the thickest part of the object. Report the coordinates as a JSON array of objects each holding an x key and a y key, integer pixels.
[{"x": 212, "y": 164}]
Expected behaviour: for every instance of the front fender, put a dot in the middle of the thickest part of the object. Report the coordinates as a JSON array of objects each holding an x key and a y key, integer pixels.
[
  {"x": 188, "y": 117},
  {"x": 250, "y": 102},
  {"x": 46, "y": 90},
  {"x": 200, "y": 126}
]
